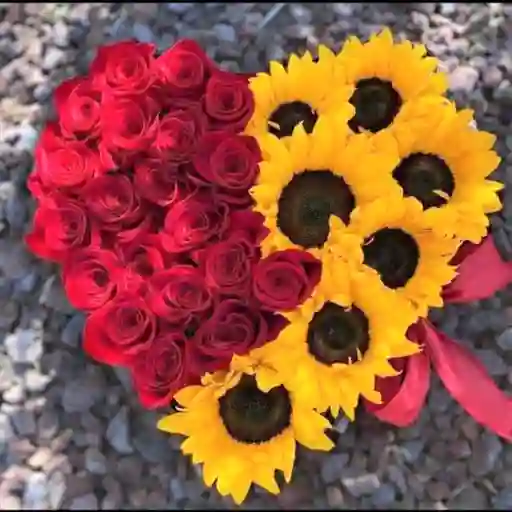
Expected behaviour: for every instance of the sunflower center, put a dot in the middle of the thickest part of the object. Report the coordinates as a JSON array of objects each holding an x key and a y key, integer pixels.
[
  {"x": 335, "y": 334},
  {"x": 306, "y": 204},
  {"x": 252, "y": 416},
  {"x": 426, "y": 177},
  {"x": 394, "y": 254},
  {"x": 288, "y": 115},
  {"x": 376, "y": 102}
]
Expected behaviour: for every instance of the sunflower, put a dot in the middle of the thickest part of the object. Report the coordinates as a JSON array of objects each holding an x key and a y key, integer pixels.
[
  {"x": 335, "y": 346},
  {"x": 444, "y": 165},
  {"x": 392, "y": 244},
  {"x": 242, "y": 424},
  {"x": 311, "y": 184},
  {"x": 300, "y": 94},
  {"x": 388, "y": 79}
]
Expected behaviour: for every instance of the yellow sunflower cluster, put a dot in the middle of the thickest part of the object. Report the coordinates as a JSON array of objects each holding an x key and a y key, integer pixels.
[{"x": 369, "y": 167}]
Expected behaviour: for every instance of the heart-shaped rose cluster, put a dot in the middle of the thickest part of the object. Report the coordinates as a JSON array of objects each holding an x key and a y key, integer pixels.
[{"x": 142, "y": 185}]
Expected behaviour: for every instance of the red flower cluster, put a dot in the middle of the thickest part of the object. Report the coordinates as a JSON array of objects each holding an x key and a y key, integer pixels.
[{"x": 142, "y": 185}]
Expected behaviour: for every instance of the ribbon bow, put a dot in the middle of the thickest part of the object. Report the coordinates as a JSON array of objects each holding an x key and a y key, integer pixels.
[{"x": 481, "y": 273}]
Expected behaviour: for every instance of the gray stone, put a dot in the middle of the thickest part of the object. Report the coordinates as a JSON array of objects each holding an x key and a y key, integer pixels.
[
  {"x": 384, "y": 497},
  {"x": 177, "y": 489},
  {"x": 36, "y": 382},
  {"x": 72, "y": 332},
  {"x": 363, "y": 485},
  {"x": 53, "y": 58},
  {"x": 225, "y": 32},
  {"x": 396, "y": 475},
  {"x": 470, "y": 498},
  {"x": 6, "y": 432},
  {"x": 54, "y": 297},
  {"x": 505, "y": 340},
  {"x": 14, "y": 395},
  {"x": 463, "y": 78},
  {"x": 503, "y": 501},
  {"x": 493, "y": 362},
  {"x": 24, "y": 346},
  {"x": 95, "y": 461},
  {"x": 333, "y": 466},
  {"x": 334, "y": 497},
  {"x": 118, "y": 432},
  {"x": 81, "y": 394},
  {"x": 486, "y": 452},
  {"x": 124, "y": 377},
  {"x": 143, "y": 33},
  {"x": 56, "y": 489},
  {"x": 35, "y": 493},
  {"x": 24, "y": 422},
  {"x": 179, "y": 8},
  {"x": 85, "y": 502},
  {"x": 412, "y": 450}
]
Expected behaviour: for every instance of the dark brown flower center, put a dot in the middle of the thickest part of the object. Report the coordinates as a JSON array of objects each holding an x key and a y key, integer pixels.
[
  {"x": 288, "y": 115},
  {"x": 252, "y": 416},
  {"x": 424, "y": 175},
  {"x": 336, "y": 334},
  {"x": 394, "y": 254},
  {"x": 306, "y": 204},
  {"x": 376, "y": 102}
]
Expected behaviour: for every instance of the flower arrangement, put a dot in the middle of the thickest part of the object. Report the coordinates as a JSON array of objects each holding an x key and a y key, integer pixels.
[{"x": 264, "y": 250}]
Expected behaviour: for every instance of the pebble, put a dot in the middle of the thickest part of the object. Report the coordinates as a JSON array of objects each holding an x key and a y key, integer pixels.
[
  {"x": 505, "y": 340},
  {"x": 463, "y": 78},
  {"x": 85, "y": 502},
  {"x": 485, "y": 454},
  {"x": 24, "y": 346},
  {"x": 24, "y": 422},
  {"x": 72, "y": 332},
  {"x": 384, "y": 496},
  {"x": 35, "y": 493},
  {"x": 56, "y": 489},
  {"x": 363, "y": 485},
  {"x": 118, "y": 432},
  {"x": 335, "y": 497},
  {"x": 95, "y": 461},
  {"x": 503, "y": 501},
  {"x": 333, "y": 466},
  {"x": 493, "y": 362}
]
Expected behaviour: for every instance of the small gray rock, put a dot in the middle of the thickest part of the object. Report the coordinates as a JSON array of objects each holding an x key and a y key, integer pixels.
[
  {"x": 143, "y": 33},
  {"x": 412, "y": 450},
  {"x": 363, "y": 485},
  {"x": 56, "y": 489},
  {"x": 118, "y": 432},
  {"x": 225, "y": 32},
  {"x": 35, "y": 493},
  {"x": 24, "y": 422},
  {"x": 177, "y": 489},
  {"x": 470, "y": 498},
  {"x": 334, "y": 497},
  {"x": 25, "y": 346},
  {"x": 72, "y": 333},
  {"x": 493, "y": 362},
  {"x": 505, "y": 340},
  {"x": 54, "y": 297},
  {"x": 78, "y": 396},
  {"x": 85, "y": 502},
  {"x": 53, "y": 58},
  {"x": 6, "y": 432},
  {"x": 486, "y": 452},
  {"x": 179, "y": 8},
  {"x": 14, "y": 395},
  {"x": 503, "y": 501},
  {"x": 384, "y": 496},
  {"x": 332, "y": 466},
  {"x": 36, "y": 382},
  {"x": 463, "y": 78},
  {"x": 95, "y": 461}
]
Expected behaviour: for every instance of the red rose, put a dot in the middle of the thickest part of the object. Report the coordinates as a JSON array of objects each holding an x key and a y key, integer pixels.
[
  {"x": 183, "y": 70},
  {"x": 89, "y": 278},
  {"x": 228, "y": 102},
  {"x": 234, "y": 328},
  {"x": 227, "y": 266},
  {"x": 77, "y": 103},
  {"x": 119, "y": 330},
  {"x": 61, "y": 225},
  {"x": 157, "y": 181},
  {"x": 230, "y": 162},
  {"x": 111, "y": 199},
  {"x": 192, "y": 222},
  {"x": 249, "y": 224},
  {"x": 179, "y": 293},
  {"x": 285, "y": 279},
  {"x": 124, "y": 68},
  {"x": 161, "y": 369},
  {"x": 71, "y": 166},
  {"x": 177, "y": 135},
  {"x": 129, "y": 124},
  {"x": 145, "y": 257}
]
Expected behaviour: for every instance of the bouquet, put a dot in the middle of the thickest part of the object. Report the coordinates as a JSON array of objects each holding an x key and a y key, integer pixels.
[{"x": 262, "y": 251}]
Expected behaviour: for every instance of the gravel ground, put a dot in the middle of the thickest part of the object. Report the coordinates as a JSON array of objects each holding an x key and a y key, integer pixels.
[{"x": 71, "y": 433}]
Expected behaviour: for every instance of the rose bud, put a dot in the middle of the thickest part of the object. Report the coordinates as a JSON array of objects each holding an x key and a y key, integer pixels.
[
  {"x": 178, "y": 293},
  {"x": 230, "y": 163},
  {"x": 228, "y": 102},
  {"x": 61, "y": 225},
  {"x": 124, "y": 68},
  {"x": 285, "y": 279},
  {"x": 161, "y": 369},
  {"x": 192, "y": 222},
  {"x": 119, "y": 330},
  {"x": 89, "y": 277}
]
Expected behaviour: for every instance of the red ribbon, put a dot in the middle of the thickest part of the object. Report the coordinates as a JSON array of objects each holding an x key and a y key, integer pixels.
[{"x": 481, "y": 273}]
